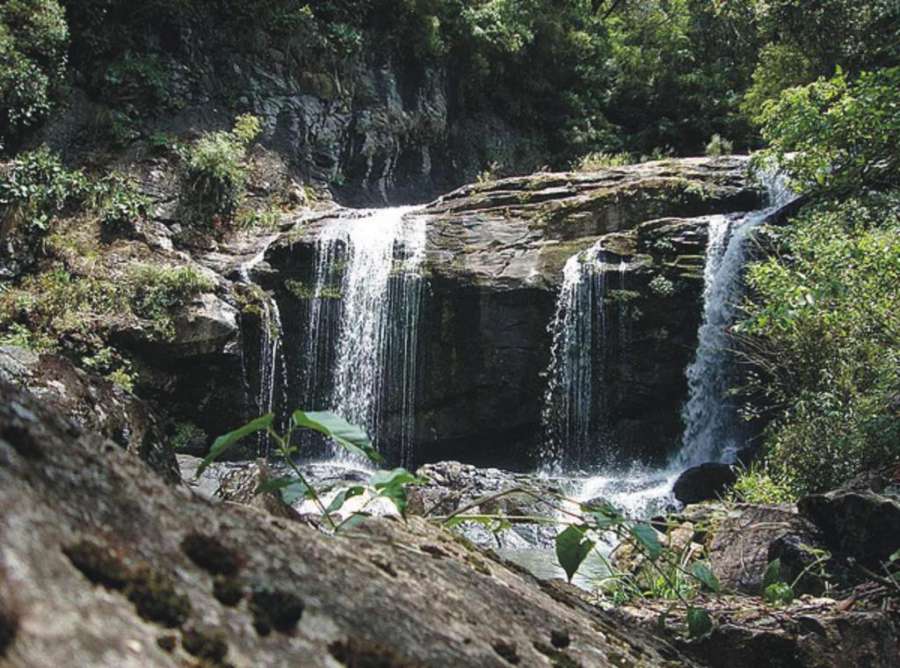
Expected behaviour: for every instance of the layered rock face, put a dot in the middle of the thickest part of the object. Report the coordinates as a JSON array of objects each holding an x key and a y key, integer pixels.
[
  {"x": 494, "y": 264},
  {"x": 102, "y": 564}
]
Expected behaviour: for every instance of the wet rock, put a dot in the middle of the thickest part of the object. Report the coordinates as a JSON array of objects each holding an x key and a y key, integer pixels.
[
  {"x": 742, "y": 544},
  {"x": 705, "y": 482},
  {"x": 312, "y": 594},
  {"x": 863, "y": 525}
]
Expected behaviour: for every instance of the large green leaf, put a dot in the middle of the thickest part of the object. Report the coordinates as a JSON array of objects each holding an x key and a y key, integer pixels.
[
  {"x": 392, "y": 485},
  {"x": 223, "y": 443},
  {"x": 572, "y": 548},
  {"x": 703, "y": 573},
  {"x": 341, "y": 498},
  {"x": 348, "y": 436},
  {"x": 699, "y": 622},
  {"x": 647, "y": 538}
]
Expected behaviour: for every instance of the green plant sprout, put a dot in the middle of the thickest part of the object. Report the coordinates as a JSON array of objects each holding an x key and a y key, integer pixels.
[{"x": 390, "y": 485}]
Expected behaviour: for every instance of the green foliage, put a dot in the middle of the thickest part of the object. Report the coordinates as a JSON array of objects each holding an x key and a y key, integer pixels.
[
  {"x": 119, "y": 202},
  {"x": 823, "y": 329},
  {"x": 661, "y": 286},
  {"x": 719, "y": 146},
  {"x": 156, "y": 290},
  {"x": 699, "y": 622},
  {"x": 33, "y": 41},
  {"x": 598, "y": 160},
  {"x": 759, "y": 485},
  {"x": 780, "y": 66},
  {"x": 838, "y": 135},
  {"x": 36, "y": 188},
  {"x": 391, "y": 485},
  {"x": 215, "y": 175},
  {"x": 572, "y": 548}
]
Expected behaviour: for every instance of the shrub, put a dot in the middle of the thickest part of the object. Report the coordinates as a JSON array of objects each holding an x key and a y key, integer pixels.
[
  {"x": 119, "y": 202},
  {"x": 823, "y": 329},
  {"x": 719, "y": 146},
  {"x": 661, "y": 286},
  {"x": 37, "y": 188},
  {"x": 34, "y": 37},
  {"x": 759, "y": 485},
  {"x": 596, "y": 161},
  {"x": 838, "y": 135},
  {"x": 157, "y": 290},
  {"x": 215, "y": 174}
]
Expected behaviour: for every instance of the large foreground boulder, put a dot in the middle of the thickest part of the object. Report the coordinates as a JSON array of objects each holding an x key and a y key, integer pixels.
[{"x": 104, "y": 565}]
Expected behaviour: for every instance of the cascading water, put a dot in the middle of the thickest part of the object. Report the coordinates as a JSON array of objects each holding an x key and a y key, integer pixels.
[
  {"x": 578, "y": 330},
  {"x": 377, "y": 308},
  {"x": 710, "y": 417},
  {"x": 710, "y": 432}
]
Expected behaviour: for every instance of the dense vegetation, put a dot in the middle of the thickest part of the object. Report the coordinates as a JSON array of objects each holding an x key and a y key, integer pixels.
[{"x": 594, "y": 82}]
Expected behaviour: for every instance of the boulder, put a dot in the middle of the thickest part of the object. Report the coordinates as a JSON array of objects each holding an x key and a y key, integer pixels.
[
  {"x": 748, "y": 538},
  {"x": 93, "y": 403},
  {"x": 859, "y": 524},
  {"x": 705, "y": 482},
  {"x": 102, "y": 565}
]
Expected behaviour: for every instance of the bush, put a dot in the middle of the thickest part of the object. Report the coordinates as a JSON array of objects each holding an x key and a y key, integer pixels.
[
  {"x": 823, "y": 329},
  {"x": 34, "y": 37},
  {"x": 37, "y": 188},
  {"x": 598, "y": 160},
  {"x": 119, "y": 202},
  {"x": 719, "y": 146},
  {"x": 759, "y": 485},
  {"x": 215, "y": 175},
  {"x": 839, "y": 135},
  {"x": 157, "y": 290}
]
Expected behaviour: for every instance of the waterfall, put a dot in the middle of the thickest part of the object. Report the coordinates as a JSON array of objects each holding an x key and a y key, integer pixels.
[
  {"x": 374, "y": 299},
  {"x": 578, "y": 331},
  {"x": 710, "y": 416}
]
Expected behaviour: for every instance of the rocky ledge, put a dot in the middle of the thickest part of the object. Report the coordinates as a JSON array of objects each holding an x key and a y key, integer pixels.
[{"x": 102, "y": 564}]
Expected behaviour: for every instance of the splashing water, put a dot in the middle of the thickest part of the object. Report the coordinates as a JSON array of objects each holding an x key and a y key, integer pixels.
[
  {"x": 578, "y": 330},
  {"x": 710, "y": 416},
  {"x": 375, "y": 342}
]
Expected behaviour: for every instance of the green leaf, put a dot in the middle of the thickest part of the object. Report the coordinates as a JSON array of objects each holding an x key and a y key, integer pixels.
[
  {"x": 699, "y": 622},
  {"x": 646, "y": 536},
  {"x": 341, "y": 498},
  {"x": 348, "y": 436},
  {"x": 702, "y": 572},
  {"x": 353, "y": 521},
  {"x": 294, "y": 492},
  {"x": 223, "y": 443},
  {"x": 604, "y": 513},
  {"x": 895, "y": 557},
  {"x": 392, "y": 485},
  {"x": 398, "y": 476},
  {"x": 572, "y": 548},
  {"x": 779, "y": 593},
  {"x": 772, "y": 574}
]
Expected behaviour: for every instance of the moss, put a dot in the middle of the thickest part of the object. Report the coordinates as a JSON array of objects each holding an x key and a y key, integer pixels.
[
  {"x": 155, "y": 599},
  {"x": 101, "y": 565},
  {"x": 210, "y": 554},
  {"x": 228, "y": 591},
  {"x": 206, "y": 645},
  {"x": 304, "y": 292},
  {"x": 275, "y": 609}
]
